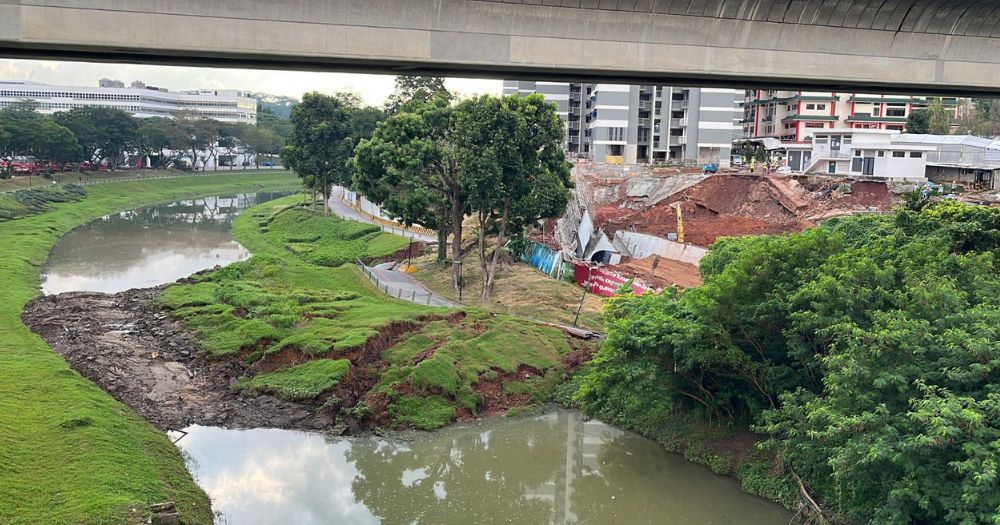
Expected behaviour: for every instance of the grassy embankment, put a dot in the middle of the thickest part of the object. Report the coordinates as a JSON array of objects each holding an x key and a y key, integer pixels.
[
  {"x": 520, "y": 290},
  {"x": 70, "y": 453},
  {"x": 300, "y": 307}
]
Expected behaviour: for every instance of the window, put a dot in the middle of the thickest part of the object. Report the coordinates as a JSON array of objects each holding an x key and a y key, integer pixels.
[
  {"x": 916, "y": 154},
  {"x": 895, "y": 110},
  {"x": 857, "y": 153},
  {"x": 815, "y": 125},
  {"x": 877, "y": 111},
  {"x": 881, "y": 153},
  {"x": 898, "y": 154},
  {"x": 810, "y": 106},
  {"x": 820, "y": 106}
]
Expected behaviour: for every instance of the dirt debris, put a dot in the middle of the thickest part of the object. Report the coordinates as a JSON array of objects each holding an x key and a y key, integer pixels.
[
  {"x": 136, "y": 352},
  {"x": 734, "y": 205}
]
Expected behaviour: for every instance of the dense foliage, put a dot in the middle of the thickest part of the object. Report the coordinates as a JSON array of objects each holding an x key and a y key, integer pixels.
[
  {"x": 112, "y": 136},
  {"x": 499, "y": 159},
  {"x": 868, "y": 349}
]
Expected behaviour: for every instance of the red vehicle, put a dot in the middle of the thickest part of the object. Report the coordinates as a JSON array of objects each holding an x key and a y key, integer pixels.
[{"x": 24, "y": 166}]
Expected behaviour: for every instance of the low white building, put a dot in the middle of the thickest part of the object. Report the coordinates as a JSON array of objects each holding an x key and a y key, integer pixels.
[
  {"x": 138, "y": 99},
  {"x": 973, "y": 162},
  {"x": 852, "y": 152}
]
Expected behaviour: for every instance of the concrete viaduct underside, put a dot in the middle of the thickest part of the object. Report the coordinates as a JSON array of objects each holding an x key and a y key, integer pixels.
[{"x": 926, "y": 46}]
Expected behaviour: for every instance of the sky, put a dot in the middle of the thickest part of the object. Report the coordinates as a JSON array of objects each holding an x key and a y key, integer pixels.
[{"x": 373, "y": 89}]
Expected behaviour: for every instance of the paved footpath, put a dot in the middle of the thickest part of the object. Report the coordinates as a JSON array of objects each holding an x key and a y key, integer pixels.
[
  {"x": 341, "y": 208},
  {"x": 404, "y": 286}
]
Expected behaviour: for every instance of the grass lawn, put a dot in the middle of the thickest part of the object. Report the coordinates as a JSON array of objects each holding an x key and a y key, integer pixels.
[
  {"x": 70, "y": 453},
  {"x": 288, "y": 300},
  {"x": 519, "y": 290}
]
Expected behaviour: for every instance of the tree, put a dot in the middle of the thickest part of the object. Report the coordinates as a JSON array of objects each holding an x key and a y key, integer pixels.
[
  {"x": 918, "y": 121},
  {"x": 103, "y": 133},
  {"x": 50, "y": 141},
  {"x": 17, "y": 120},
  {"x": 156, "y": 134},
  {"x": 981, "y": 118},
  {"x": 410, "y": 166},
  {"x": 939, "y": 118},
  {"x": 321, "y": 144},
  {"x": 196, "y": 134},
  {"x": 513, "y": 167},
  {"x": 866, "y": 348},
  {"x": 413, "y": 90}
]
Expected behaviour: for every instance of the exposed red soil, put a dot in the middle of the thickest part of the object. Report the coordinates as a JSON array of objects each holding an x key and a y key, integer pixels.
[
  {"x": 668, "y": 272},
  {"x": 494, "y": 399},
  {"x": 734, "y": 205},
  {"x": 577, "y": 358}
]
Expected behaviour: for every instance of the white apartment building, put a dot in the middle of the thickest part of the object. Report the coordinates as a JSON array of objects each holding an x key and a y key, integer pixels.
[
  {"x": 795, "y": 116},
  {"x": 628, "y": 124},
  {"x": 138, "y": 99}
]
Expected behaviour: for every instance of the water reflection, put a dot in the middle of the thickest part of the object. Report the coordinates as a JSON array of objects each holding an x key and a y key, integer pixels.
[
  {"x": 555, "y": 468},
  {"x": 148, "y": 246}
]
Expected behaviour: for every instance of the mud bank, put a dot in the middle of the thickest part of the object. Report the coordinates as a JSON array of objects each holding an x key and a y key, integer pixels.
[{"x": 136, "y": 352}]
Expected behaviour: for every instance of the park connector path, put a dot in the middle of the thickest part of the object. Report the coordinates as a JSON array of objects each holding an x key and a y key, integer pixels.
[
  {"x": 346, "y": 211},
  {"x": 403, "y": 286}
]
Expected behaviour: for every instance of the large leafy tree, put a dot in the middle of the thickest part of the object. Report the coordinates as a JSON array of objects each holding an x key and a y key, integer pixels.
[
  {"x": 195, "y": 135},
  {"x": 413, "y": 90},
  {"x": 512, "y": 166},
  {"x": 103, "y": 133},
  {"x": 322, "y": 142},
  {"x": 867, "y": 349},
  {"x": 918, "y": 121},
  {"x": 410, "y": 166},
  {"x": 156, "y": 135}
]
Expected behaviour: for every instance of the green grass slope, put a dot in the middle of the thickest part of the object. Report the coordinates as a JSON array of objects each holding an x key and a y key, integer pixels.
[
  {"x": 69, "y": 452},
  {"x": 286, "y": 305}
]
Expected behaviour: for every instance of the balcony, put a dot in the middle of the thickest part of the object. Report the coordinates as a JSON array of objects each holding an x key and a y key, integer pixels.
[
  {"x": 644, "y": 122},
  {"x": 645, "y": 105},
  {"x": 678, "y": 105}
]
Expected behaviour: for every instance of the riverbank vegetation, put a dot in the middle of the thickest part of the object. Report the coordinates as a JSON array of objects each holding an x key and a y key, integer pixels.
[
  {"x": 866, "y": 351},
  {"x": 286, "y": 315},
  {"x": 69, "y": 452},
  {"x": 520, "y": 290}
]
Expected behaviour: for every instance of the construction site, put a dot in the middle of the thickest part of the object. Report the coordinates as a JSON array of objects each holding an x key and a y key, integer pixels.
[{"x": 652, "y": 225}]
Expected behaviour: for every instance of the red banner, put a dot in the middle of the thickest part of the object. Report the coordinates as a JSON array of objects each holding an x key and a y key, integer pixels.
[{"x": 604, "y": 282}]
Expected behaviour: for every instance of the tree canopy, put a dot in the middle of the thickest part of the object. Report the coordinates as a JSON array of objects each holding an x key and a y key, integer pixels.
[{"x": 867, "y": 349}]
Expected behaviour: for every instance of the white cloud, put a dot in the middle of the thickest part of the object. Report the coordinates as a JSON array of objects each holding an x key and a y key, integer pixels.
[{"x": 372, "y": 88}]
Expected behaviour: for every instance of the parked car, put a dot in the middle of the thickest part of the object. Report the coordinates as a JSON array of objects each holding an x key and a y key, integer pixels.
[
  {"x": 783, "y": 170},
  {"x": 710, "y": 168}
]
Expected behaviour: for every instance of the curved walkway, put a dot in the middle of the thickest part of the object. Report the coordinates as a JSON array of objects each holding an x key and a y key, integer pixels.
[{"x": 345, "y": 211}]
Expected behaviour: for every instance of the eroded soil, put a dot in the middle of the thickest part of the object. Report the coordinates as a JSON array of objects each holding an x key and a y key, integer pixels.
[{"x": 136, "y": 352}]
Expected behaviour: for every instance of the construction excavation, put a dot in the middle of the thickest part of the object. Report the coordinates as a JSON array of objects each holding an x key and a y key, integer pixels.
[{"x": 652, "y": 225}]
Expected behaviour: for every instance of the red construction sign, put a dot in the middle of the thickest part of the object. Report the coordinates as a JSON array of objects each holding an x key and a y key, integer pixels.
[{"x": 601, "y": 281}]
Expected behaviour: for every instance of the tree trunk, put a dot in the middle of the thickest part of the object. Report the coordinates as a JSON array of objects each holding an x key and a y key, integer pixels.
[
  {"x": 483, "y": 267},
  {"x": 492, "y": 270},
  {"x": 456, "y": 241},
  {"x": 442, "y": 245},
  {"x": 313, "y": 199},
  {"x": 326, "y": 196}
]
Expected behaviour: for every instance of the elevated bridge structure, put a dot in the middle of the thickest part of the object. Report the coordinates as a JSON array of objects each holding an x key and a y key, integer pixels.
[{"x": 927, "y": 46}]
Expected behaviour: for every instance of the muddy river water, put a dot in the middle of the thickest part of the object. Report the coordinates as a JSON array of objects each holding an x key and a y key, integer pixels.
[{"x": 556, "y": 467}]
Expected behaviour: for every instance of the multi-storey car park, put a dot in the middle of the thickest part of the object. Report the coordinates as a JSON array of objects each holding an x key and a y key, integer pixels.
[{"x": 138, "y": 99}]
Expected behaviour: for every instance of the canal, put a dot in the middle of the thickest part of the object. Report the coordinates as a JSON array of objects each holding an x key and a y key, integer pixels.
[{"x": 555, "y": 467}]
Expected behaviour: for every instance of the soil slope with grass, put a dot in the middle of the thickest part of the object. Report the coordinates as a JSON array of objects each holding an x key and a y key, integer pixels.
[
  {"x": 299, "y": 321},
  {"x": 69, "y": 452}
]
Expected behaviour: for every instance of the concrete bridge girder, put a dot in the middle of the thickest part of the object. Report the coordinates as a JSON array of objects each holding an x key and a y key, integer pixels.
[{"x": 835, "y": 44}]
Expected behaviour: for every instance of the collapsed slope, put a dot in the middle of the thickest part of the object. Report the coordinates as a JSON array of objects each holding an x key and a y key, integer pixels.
[{"x": 735, "y": 205}]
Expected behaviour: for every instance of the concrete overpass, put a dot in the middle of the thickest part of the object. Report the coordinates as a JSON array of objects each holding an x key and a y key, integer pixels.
[{"x": 933, "y": 46}]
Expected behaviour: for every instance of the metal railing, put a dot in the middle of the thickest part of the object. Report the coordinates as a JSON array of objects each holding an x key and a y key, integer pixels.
[{"x": 411, "y": 295}]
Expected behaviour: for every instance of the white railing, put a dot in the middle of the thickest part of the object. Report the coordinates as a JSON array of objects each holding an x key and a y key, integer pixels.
[{"x": 411, "y": 295}]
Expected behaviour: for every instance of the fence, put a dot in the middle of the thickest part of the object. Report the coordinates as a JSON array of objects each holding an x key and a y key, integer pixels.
[{"x": 411, "y": 295}]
